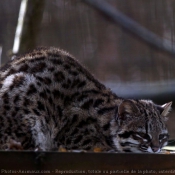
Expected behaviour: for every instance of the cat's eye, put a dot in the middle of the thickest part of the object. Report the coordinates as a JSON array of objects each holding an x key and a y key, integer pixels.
[
  {"x": 163, "y": 136},
  {"x": 142, "y": 136}
]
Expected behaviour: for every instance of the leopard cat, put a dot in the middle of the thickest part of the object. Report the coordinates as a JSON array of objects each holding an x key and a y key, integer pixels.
[{"x": 48, "y": 99}]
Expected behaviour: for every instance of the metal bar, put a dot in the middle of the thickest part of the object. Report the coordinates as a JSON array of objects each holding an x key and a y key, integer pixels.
[{"x": 132, "y": 26}]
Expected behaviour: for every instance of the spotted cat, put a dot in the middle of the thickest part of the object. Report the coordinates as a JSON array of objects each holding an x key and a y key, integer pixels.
[{"x": 48, "y": 99}]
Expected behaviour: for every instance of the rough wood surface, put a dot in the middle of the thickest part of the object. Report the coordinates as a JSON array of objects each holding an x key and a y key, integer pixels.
[{"x": 86, "y": 163}]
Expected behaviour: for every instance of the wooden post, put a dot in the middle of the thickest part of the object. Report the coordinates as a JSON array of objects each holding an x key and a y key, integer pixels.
[{"x": 30, "y": 17}]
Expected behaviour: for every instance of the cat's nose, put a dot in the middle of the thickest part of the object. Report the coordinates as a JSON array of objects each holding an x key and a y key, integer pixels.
[{"x": 155, "y": 148}]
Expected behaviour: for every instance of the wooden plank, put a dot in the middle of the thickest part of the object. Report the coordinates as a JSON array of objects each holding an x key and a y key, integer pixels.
[{"x": 85, "y": 163}]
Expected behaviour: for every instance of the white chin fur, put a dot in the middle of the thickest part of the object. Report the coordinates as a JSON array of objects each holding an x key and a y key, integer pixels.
[
  {"x": 151, "y": 151},
  {"x": 165, "y": 144}
]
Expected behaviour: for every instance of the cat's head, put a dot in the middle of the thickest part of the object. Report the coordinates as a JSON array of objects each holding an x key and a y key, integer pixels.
[{"x": 140, "y": 126}]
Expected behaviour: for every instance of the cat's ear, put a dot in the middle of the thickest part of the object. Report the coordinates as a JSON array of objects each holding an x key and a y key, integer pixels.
[
  {"x": 166, "y": 108},
  {"x": 127, "y": 108}
]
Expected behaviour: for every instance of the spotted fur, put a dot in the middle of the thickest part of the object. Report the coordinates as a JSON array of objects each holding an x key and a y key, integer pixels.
[{"x": 48, "y": 99}]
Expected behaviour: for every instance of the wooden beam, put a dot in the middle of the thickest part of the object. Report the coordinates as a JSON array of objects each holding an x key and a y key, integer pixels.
[{"x": 85, "y": 163}]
